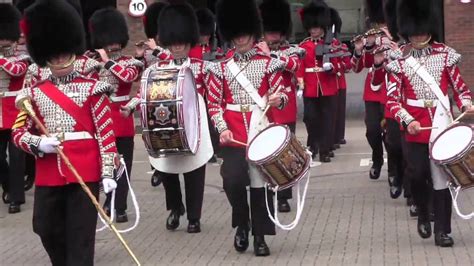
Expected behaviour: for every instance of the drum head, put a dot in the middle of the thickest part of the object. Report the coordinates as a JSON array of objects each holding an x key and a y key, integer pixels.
[
  {"x": 451, "y": 143},
  {"x": 267, "y": 143},
  {"x": 190, "y": 108}
]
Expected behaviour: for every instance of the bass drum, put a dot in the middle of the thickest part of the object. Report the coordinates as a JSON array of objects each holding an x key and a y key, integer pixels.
[{"x": 170, "y": 112}]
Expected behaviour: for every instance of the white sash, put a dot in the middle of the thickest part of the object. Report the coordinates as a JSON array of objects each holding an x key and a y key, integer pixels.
[
  {"x": 245, "y": 83},
  {"x": 441, "y": 119}
]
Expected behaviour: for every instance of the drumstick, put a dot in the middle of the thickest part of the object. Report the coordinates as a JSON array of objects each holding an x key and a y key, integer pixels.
[
  {"x": 427, "y": 128},
  {"x": 268, "y": 106},
  {"x": 239, "y": 142},
  {"x": 459, "y": 117}
]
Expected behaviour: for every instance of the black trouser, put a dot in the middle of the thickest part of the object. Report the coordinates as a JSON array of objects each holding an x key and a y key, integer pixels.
[
  {"x": 65, "y": 219},
  {"x": 406, "y": 173},
  {"x": 421, "y": 188},
  {"x": 319, "y": 121},
  {"x": 214, "y": 136},
  {"x": 30, "y": 163},
  {"x": 193, "y": 187},
  {"x": 13, "y": 171},
  {"x": 287, "y": 193},
  {"x": 340, "y": 117},
  {"x": 374, "y": 114},
  {"x": 125, "y": 148},
  {"x": 235, "y": 175},
  {"x": 396, "y": 162}
]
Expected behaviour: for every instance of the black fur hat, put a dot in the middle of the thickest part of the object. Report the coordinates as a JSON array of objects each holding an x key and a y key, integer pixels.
[
  {"x": 108, "y": 26},
  {"x": 150, "y": 19},
  {"x": 417, "y": 17},
  {"x": 24, "y": 4},
  {"x": 52, "y": 28},
  {"x": 390, "y": 13},
  {"x": 276, "y": 16},
  {"x": 206, "y": 20},
  {"x": 316, "y": 14},
  {"x": 177, "y": 24},
  {"x": 336, "y": 20},
  {"x": 374, "y": 11},
  {"x": 238, "y": 17},
  {"x": 9, "y": 22}
]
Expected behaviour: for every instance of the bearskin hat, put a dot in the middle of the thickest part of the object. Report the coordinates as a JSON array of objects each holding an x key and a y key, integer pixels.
[
  {"x": 52, "y": 28},
  {"x": 336, "y": 20},
  {"x": 276, "y": 16},
  {"x": 177, "y": 23},
  {"x": 374, "y": 11},
  {"x": 237, "y": 18},
  {"x": 390, "y": 13},
  {"x": 206, "y": 20},
  {"x": 108, "y": 26},
  {"x": 150, "y": 19},
  {"x": 24, "y": 4},
  {"x": 416, "y": 17},
  {"x": 9, "y": 22},
  {"x": 316, "y": 14}
]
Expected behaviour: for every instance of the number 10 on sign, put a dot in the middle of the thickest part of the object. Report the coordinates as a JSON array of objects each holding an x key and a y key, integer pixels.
[{"x": 137, "y": 8}]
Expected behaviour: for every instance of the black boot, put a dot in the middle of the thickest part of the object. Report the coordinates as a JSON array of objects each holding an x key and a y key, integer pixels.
[
  {"x": 241, "y": 239},
  {"x": 14, "y": 207},
  {"x": 413, "y": 210},
  {"x": 374, "y": 172},
  {"x": 156, "y": 179},
  {"x": 424, "y": 228},
  {"x": 443, "y": 240},
  {"x": 324, "y": 158},
  {"x": 331, "y": 154},
  {"x": 260, "y": 248},
  {"x": 194, "y": 226},
  {"x": 121, "y": 217},
  {"x": 173, "y": 219},
  {"x": 283, "y": 206}
]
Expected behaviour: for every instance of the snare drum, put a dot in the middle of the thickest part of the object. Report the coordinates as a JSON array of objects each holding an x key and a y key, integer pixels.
[
  {"x": 170, "y": 111},
  {"x": 452, "y": 151},
  {"x": 279, "y": 156}
]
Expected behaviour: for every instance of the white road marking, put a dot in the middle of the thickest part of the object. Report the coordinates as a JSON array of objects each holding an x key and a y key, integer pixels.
[{"x": 367, "y": 161}]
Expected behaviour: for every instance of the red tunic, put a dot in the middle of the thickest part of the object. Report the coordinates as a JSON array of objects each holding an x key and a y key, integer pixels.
[
  {"x": 12, "y": 74},
  {"x": 344, "y": 66},
  {"x": 88, "y": 156},
  {"x": 291, "y": 56},
  {"x": 120, "y": 72},
  {"x": 441, "y": 63},
  {"x": 264, "y": 74},
  {"x": 317, "y": 83},
  {"x": 199, "y": 50}
]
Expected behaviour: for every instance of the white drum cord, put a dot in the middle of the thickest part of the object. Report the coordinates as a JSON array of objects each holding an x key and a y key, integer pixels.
[
  {"x": 112, "y": 202},
  {"x": 454, "y": 194},
  {"x": 300, "y": 200}
]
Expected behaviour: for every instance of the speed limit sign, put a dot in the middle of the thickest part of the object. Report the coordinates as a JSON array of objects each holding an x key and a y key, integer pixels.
[{"x": 137, "y": 8}]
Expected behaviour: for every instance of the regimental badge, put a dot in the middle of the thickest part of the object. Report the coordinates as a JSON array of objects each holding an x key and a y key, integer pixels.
[{"x": 162, "y": 114}]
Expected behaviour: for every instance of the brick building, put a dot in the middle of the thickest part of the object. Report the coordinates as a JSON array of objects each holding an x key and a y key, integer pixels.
[{"x": 458, "y": 33}]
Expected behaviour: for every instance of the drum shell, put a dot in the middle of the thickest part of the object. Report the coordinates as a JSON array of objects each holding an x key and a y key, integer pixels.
[
  {"x": 459, "y": 168},
  {"x": 286, "y": 166}
]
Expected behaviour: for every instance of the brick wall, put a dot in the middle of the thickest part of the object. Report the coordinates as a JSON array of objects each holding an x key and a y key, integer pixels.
[
  {"x": 458, "y": 23},
  {"x": 135, "y": 27}
]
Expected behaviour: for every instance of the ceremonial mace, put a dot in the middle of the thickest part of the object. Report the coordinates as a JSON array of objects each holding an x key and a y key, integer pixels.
[{"x": 26, "y": 106}]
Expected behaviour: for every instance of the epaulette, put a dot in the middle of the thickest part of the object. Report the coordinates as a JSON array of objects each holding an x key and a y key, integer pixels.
[
  {"x": 275, "y": 65},
  {"x": 394, "y": 67},
  {"x": 100, "y": 87},
  {"x": 215, "y": 68},
  {"x": 453, "y": 57}
]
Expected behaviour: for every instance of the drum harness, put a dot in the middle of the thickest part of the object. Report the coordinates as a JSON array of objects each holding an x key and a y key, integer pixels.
[{"x": 122, "y": 169}]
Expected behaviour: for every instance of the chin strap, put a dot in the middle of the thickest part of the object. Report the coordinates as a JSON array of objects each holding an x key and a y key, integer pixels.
[{"x": 122, "y": 170}]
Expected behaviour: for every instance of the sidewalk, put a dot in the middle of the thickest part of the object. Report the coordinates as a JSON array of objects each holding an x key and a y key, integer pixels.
[{"x": 348, "y": 220}]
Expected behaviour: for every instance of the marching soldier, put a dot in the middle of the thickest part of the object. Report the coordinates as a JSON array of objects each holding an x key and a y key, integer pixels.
[
  {"x": 276, "y": 18},
  {"x": 149, "y": 52},
  {"x": 374, "y": 96},
  {"x": 109, "y": 36},
  {"x": 239, "y": 89},
  {"x": 319, "y": 80},
  {"x": 415, "y": 102},
  {"x": 344, "y": 67},
  {"x": 179, "y": 32},
  {"x": 76, "y": 112},
  {"x": 12, "y": 73}
]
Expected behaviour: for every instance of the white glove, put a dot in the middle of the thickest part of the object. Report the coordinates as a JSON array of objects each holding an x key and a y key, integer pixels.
[
  {"x": 109, "y": 185},
  {"x": 328, "y": 66},
  {"x": 299, "y": 93},
  {"x": 48, "y": 144}
]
